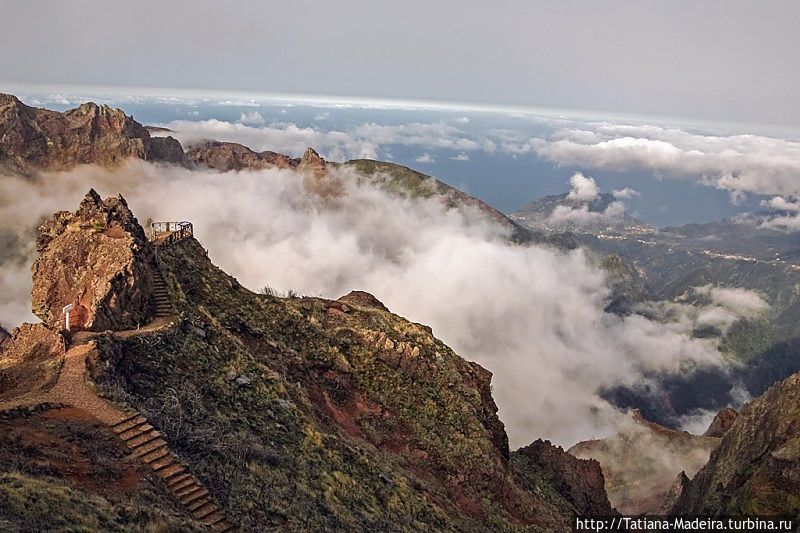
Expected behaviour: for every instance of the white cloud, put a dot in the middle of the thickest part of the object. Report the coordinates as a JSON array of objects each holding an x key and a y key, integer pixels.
[
  {"x": 462, "y": 120},
  {"x": 253, "y": 118},
  {"x": 425, "y": 158},
  {"x": 460, "y": 157},
  {"x": 533, "y": 316},
  {"x": 740, "y": 164},
  {"x": 624, "y": 193},
  {"x": 322, "y": 116},
  {"x": 781, "y": 204},
  {"x": 582, "y": 188}
]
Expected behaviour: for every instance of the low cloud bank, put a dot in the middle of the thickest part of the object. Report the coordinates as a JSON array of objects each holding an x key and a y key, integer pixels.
[{"x": 533, "y": 316}]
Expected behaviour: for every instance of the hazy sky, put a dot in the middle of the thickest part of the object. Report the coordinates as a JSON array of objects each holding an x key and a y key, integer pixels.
[{"x": 726, "y": 59}]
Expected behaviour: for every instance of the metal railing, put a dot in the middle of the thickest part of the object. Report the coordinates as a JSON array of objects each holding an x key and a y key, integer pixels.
[{"x": 169, "y": 232}]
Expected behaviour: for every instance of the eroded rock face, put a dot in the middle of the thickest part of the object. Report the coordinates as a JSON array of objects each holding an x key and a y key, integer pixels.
[
  {"x": 98, "y": 260},
  {"x": 4, "y": 336},
  {"x": 226, "y": 156},
  {"x": 363, "y": 298},
  {"x": 29, "y": 361},
  {"x": 721, "y": 423},
  {"x": 756, "y": 468},
  {"x": 39, "y": 139},
  {"x": 580, "y": 481}
]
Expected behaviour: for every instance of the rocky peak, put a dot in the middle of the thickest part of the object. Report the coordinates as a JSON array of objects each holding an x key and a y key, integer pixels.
[
  {"x": 4, "y": 336},
  {"x": 8, "y": 100},
  {"x": 721, "y": 423},
  {"x": 97, "y": 259},
  {"x": 39, "y": 139},
  {"x": 364, "y": 299},
  {"x": 579, "y": 481},
  {"x": 226, "y": 156},
  {"x": 312, "y": 162}
]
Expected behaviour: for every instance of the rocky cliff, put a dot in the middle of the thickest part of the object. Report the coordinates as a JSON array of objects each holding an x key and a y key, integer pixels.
[
  {"x": 98, "y": 260},
  {"x": 34, "y": 139},
  {"x": 756, "y": 467},
  {"x": 296, "y": 413},
  {"x": 226, "y": 156}
]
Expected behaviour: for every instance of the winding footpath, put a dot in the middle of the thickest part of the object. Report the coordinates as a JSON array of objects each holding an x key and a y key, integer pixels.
[{"x": 74, "y": 388}]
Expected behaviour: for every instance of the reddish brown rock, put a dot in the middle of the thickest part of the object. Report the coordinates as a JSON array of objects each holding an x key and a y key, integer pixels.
[
  {"x": 30, "y": 361},
  {"x": 98, "y": 260},
  {"x": 364, "y": 299},
  {"x": 579, "y": 481},
  {"x": 4, "y": 336},
  {"x": 721, "y": 423},
  {"x": 39, "y": 139},
  {"x": 312, "y": 162},
  {"x": 226, "y": 156}
]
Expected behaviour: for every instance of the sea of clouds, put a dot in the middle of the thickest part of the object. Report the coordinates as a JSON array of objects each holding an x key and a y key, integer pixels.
[{"x": 532, "y": 315}]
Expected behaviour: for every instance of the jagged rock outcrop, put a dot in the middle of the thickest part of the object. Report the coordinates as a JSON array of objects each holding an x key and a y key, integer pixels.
[
  {"x": 756, "y": 468},
  {"x": 29, "y": 360},
  {"x": 722, "y": 422},
  {"x": 226, "y": 156},
  {"x": 363, "y": 298},
  {"x": 579, "y": 481},
  {"x": 312, "y": 162},
  {"x": 640, "y": 462},
  {"x": 674, "y": 494},
  {"x": 4, "y": 336},
  {"x": 34, "y": 139},
  {"x": 97, "y": 259}
]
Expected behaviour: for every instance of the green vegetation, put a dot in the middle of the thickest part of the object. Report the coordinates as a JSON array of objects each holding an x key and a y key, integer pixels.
[{"x": 306, "y": 414}]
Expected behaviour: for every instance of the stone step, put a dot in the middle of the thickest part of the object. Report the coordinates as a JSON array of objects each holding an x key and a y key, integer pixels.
[
  {"x": 188, "y": 489},
  {"x": 178, "y": 480},
  {"x": 204, "y": 510},
  {"x": 171, "y": 470},
  {"x": 164, "y": 462},
  {"x": 142, "y": 439},
  {"x": 135, "y": 431},
  {"x": 189, "y": 499},
  {"x": 150, "y": 447},
  {"x": 199, "y": 503},
  {"x": 156, "y": 455},
  {"x": 128, "y": 423},
  {"x": 220, "y": 526},
  {"x": 129, "y": 415},
  {"x": 215, "y": 518}
]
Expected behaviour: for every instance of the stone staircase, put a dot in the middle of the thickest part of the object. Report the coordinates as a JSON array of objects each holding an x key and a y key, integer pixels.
[
  {"x": 146, "y": 444},
  {"x": 163, "y": 304}
]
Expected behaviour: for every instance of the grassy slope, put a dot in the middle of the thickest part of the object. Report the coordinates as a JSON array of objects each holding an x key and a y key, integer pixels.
[{"x": 293, "y": 418}]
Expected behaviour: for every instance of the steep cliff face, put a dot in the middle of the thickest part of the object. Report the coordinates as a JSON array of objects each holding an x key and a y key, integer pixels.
[
  {"x": 97, "y": 259},
  {"x": 756, "y": 468},
  {"x": 38, "y": 139},
  {"x": 30, "y": 359},
  {"x": 226, "y": 156},
  {"x": 579, "y": 481},
  {"x": 721, "y": 423}
]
